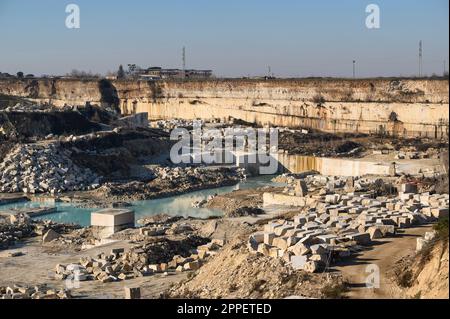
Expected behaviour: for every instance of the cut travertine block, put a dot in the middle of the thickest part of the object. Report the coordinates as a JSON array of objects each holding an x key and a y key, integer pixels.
[
  {"x": 340, "y": 223},
  {"x": 110, "y": 221},
  {"x": 439, "y": 212},
  {"x": 408, "y": 188},
  {"x": 112, "y": 217}
]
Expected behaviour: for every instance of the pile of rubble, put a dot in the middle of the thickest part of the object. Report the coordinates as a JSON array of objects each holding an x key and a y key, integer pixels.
[
  {"x": 30, "y": 107},
  {"x": 329, "y": 184},
  {"x": 79, "y": 238},
  {"x": 235, "y": 274},
  {"x": 20, "y": 226},
  {"x": 142, "y": 260},
  {"x": 164, "y": 229},
  {"x": 90, "y": 137},
  {"x": 12, "y": 232},
  {"x": 35, "y": 168},
  {"x": 321, "y": 144},
  {"x": 172, "y": 181},
  {"x": 202, "y": 203},
  {"x": 162, "y": 225},
  {"x": 175, "y": 123},
  {"x": 413, "y": 153},
  {"x": 27, "y": 106},
  {"x": 36, "y": 292},
  {"x": 244, "y": 211},
  {"x": 333, "y": 225},
  {"x": 188, "y": 173}
]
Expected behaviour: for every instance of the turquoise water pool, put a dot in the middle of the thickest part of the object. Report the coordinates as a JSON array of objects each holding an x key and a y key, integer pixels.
[{"x": 175, "y": 206}]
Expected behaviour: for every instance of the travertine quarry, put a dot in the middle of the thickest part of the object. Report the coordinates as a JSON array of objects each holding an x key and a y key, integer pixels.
[{"x": 92, "y": 204}]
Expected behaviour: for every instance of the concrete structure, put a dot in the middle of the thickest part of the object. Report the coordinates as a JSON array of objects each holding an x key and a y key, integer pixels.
[{"x": 110, "y": 221}]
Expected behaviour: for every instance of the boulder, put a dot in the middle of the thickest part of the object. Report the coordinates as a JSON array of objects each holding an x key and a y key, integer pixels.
[
  {"x": 299, "y": 250},
  {"x": 132, "y": 293},
  {"x": 311, "y": 267},
  {"x": 321, "y": 259},
  {"x": 50, "y": 236},
  {"x": 319, "y": 249},
  {"x": 375, "y": 233},
  {"x": 360, "y": 238},
  {"x": 298, "y": 262},
  {"x": 281, "y": 243}
]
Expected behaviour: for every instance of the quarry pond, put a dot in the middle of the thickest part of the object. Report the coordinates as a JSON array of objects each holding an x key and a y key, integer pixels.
[{"x": 180, "y": 205}]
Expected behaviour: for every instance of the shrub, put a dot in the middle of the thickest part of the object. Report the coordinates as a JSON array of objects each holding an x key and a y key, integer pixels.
[
  {"x": 318, "y": 99},
  {"x": 334, "y": 290},
  {"x": 442, "y": 229},
  {"x": 405, "y": 279}
]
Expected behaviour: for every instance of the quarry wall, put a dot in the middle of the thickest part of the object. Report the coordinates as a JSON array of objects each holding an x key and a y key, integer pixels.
[
  {"x": 402, "y": 107},
  {"x": 296, "y": 164}
]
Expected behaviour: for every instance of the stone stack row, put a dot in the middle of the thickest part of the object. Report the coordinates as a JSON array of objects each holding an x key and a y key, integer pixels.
[{"x": 335, "y": 225}]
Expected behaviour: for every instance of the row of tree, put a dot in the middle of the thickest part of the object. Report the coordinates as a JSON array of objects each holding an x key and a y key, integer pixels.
[
  {"x": 120, "y": 74},
  {"x": 19, "y": 75}
]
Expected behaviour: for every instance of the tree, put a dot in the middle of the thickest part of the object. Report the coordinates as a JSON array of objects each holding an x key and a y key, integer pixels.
[
  {"x": 121, "y": 73},
  {"x": 20, "y": 75},
  {"x": 82, "y": 74}
]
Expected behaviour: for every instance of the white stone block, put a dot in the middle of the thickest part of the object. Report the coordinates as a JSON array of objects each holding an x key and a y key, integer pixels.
[{"x": 112, "y": 217}]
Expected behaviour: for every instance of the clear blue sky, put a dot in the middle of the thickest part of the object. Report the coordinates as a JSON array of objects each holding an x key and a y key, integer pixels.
[{"x": 232, "y": 37}]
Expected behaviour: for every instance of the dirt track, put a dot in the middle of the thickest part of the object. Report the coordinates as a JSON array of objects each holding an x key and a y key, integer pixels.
[{"x": 384, "y": 253}]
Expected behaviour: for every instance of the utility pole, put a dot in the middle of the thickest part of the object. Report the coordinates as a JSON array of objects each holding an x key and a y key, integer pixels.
[
  {"x": 184, "y": 61},
  {"x": 354, "y": 69},
  {"x": 445, "y": 68},
  {"x": 420, "y": 59}
]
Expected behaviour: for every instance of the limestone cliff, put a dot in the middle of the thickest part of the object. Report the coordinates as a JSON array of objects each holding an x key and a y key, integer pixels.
[{"x": 404, "y": 107}]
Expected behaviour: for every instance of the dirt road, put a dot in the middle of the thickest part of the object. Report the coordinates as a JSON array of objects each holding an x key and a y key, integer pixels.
[{"x": 383, "y": 253}]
